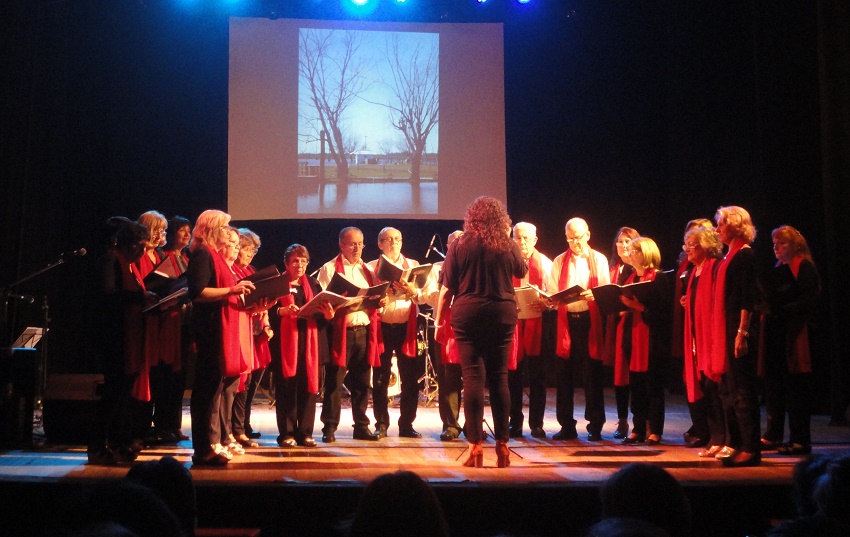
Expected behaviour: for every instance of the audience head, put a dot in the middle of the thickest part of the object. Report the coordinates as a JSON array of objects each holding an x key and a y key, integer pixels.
[
  {"x": 173, "y": 483},
  {"x": 625, "y": 527},
  {"x": 209, "y": 230},
  {"x": 351, "y": 244},
  {"x": 789, "y": 243},
  {"x": 647, "y": 492},
  {"x": 249, "y": 244},
  {"x": 832, "y": 494},
  {"x": 734, "y": 222},
  {"x": 178, "y": 233},
  {"x": 157, "y": 224},
  {"x": 622, "y": 243},
  {"x": 487, "y": 220},
  {"x": 404, "y": 504}
]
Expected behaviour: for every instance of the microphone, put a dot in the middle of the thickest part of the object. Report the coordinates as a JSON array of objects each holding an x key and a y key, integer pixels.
[
  {"x": 81, "y": 251},
  {"x": 430, "y": 246}
]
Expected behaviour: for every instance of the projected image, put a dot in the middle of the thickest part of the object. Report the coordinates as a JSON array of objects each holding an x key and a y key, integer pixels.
[{"x": 368, "y": 112}]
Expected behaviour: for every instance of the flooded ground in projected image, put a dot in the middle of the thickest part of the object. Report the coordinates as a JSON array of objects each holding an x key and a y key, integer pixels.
[{"x": 393, "y": 197}]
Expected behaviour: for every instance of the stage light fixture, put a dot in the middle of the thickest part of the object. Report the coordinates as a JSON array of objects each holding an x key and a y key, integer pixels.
[
  {"x": 524, "y": 1},
  {"x": 359, "y": 8}
]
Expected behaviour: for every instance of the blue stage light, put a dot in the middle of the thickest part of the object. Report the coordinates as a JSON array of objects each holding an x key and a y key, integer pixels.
[
  {"x": 523, "y": 1},
  {"x": 359, "y": 8}
]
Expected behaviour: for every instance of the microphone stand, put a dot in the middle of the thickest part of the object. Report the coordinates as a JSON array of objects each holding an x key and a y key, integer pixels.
[{"x": 38, "y": 436}]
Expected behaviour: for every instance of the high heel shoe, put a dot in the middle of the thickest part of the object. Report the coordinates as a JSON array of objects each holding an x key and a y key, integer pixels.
[
  {"x": 503, "y": 454},
  {"x": 476, "y": 456}
]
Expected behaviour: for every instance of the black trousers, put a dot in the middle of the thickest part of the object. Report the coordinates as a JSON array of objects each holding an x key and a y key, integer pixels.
[
  {"x": 167, "y": 386},
  {"x": 356, "y": 378},
  {"x": 484, "y": 341},
  {"x": 204, "y": 406},
  {"x": 408, "y": 370},
  {"x": 241, "y": 419},
  {"x": 740, "y": 401},
  {"x": 647, "y": 390},
  {"x": 591, "y": 372},
  {"x": 783, "y": 392},
  {"x": 295, "y": 408},
  {"x": 536, "y": 370},
  {"x": 450, "y": 384}
]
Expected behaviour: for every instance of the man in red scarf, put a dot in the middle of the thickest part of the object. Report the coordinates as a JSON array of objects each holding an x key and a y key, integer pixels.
[
  {"x": 398, "y": 329},
  {"x": 579, "y": 335},
  {"x": 528, "y": 337},
  {"x": 355, "y": 343}
]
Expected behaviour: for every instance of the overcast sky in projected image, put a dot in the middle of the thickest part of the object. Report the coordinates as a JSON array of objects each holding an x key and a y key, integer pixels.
[{"x": 367, "y": 118}]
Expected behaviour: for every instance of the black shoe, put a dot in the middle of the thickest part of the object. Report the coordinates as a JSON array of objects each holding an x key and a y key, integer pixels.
[
  {"x": 742, "y": 459},
  {"x": 653, "y": 440},
  {"x": 770, "y": 445},
  {"x": 210, "y": 459},
  {"x": 622, "y": 430},
  {"x": 307, "y": 442},
  {"x": 695, "y": 442},
  {"x": 515, "y": 432},
  {"x": 253, "y": 434},
  {"x": 328, "y": 437},
  {"x": 409, "y": 432},
  {"x": 792, "y": 448},
  {"x": 365, "y": 434},
  {"x": 594, "y": 437},
  {"x": 538, "y": 432},
  {"x": 565, "y": 434},
  {"x": 381, "y": 431},
  {"x": 448, "y": 435},
  {"x": 633, "y": 438}
]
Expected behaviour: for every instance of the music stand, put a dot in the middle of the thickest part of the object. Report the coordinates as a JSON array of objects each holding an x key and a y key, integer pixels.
[{"x": 28, "y": 338}]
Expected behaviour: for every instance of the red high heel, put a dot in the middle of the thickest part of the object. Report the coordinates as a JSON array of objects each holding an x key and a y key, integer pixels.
[
  {"x": 503, "y": 454},
  {"x": 476, "y": 456}
]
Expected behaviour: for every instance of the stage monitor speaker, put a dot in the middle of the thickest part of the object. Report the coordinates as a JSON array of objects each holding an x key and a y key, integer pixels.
[{"x": 70, "y": 407}]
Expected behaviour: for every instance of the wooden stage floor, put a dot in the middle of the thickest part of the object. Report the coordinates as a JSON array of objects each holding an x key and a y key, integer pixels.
[{"x": 538, "y": 466}]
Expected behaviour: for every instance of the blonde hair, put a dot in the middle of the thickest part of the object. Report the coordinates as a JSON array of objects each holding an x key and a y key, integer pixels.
[
  {"x": 649, "y": 250},
  {"x": 738, "y": 220},
  {"x": 248, "y": 237},
  {"x": 208, "y": 229},
  {"x": 153, "y": 220},
  {"x": 708, "y": 239}
]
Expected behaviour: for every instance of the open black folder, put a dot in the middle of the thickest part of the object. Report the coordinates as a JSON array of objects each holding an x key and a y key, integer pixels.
[
  {"x": 608, "y": 296},
  {"x": 270, "y": 283},
  {"x": 388, "y": 271},
  {"x": 371, "y": 296}
]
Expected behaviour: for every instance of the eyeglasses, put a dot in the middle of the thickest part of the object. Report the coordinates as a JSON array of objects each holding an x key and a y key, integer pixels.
[
  {"x": 576, "y": 240},
  {"x": 689, "y": 246},
  {"x": 396, "y": 240},
  {"x": 250, "y": 250},
  {"x": 354, "y": 244},
  {"x": 157, "y": 233},
  {"x": 524, "y": 239}
]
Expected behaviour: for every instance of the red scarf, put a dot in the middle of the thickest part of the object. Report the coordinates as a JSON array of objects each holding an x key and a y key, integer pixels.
[
  {"x": 374, "y": 345},
  {"x": 639, "y": 359},
  {"x": 135, "y": 362},
  {"x": 450, "y": 354},
  {"x": 698, "y": 344},
  {"x": 717, "y": 366},
  {"x": 595, "y": 342},
  {"x": 528, "y": 333},
  {"x": 236, "y": 338},
  {"x": 289, "y": 341}
]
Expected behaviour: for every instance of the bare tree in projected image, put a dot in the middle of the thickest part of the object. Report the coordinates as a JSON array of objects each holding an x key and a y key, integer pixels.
[
  {"x": 416, "y": 109},
  {"x": 334, "y": 76}
]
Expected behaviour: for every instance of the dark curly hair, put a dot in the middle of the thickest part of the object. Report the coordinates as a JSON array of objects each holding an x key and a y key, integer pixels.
[{"x": 487, "y": 219}]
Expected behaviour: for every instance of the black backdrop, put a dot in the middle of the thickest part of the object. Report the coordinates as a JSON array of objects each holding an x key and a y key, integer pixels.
[{"x": 644, "y": 114}]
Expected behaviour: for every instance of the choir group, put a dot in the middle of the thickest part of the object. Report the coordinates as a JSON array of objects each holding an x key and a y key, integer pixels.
[{"x": 740, "y": 331}]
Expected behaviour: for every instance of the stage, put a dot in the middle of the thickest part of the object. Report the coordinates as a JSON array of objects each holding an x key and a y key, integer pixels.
[{"x": 550, "y": 488}]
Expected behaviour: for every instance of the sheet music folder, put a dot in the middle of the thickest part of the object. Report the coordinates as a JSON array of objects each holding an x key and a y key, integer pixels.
[{"x": 28, "y": 339}]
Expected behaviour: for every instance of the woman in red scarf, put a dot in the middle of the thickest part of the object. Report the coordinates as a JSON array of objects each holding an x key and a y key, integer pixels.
[
  {"x": 249, "y": 244},
  {"x": 214, "y": 292},
  {"x": 642, "y": 342},
  {"x": 619, "y": 270},
  {"x": 792, "y": 289},
  {"x": 703, "y": 248},
  {"x": 303, "y": 346},
  {"x": 122, "y": 299},
  {"x": 737, "y": 294}
]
